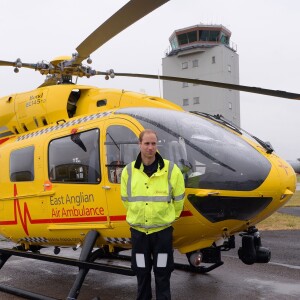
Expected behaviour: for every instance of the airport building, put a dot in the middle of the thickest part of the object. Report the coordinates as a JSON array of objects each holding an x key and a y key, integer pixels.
[{"x": 203, "y": 52}]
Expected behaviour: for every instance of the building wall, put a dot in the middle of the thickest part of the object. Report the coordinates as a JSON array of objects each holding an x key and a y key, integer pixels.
[{"x": 217, "y": 63}]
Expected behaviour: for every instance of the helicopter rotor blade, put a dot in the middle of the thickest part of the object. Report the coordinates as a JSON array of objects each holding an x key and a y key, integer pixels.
[
  {"x": 7, "y": 63},
  {"x": 230, "y": 86},
  {"x": 17, "y": 64},
  {"x": 131, "y": 12}
]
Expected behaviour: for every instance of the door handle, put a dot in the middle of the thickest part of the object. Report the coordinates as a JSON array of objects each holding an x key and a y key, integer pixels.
[{"x": 106, "y": 187}]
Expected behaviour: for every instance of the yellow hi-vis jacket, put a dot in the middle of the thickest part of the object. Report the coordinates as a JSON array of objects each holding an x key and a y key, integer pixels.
[{"x": 152, "y": 203}]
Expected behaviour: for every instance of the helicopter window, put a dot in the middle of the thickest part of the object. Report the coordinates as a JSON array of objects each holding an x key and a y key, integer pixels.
[
  {"x": 101, "y": 102},
  {"x": 121, "y": 149},
  {"x": 22, "y": 164},
  {"x": 209, "y": 155},
  {"x": 71, "y": 104},
  {"x": 75, "y": 158}
]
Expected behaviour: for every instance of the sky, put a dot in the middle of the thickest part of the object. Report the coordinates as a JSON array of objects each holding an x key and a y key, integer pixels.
[{"x": 265, "y": 32}]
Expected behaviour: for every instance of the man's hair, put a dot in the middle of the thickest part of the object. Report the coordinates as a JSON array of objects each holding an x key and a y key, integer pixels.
[{"x": 146, "y": 131}]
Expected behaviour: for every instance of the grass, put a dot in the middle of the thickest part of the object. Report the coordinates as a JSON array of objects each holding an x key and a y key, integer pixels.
[
  {"x": 279, "y": 221},
  {"x": 295, "y": 200}
]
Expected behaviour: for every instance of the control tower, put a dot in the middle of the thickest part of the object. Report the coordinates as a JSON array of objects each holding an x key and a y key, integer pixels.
[{"x": 203, "y": 52}]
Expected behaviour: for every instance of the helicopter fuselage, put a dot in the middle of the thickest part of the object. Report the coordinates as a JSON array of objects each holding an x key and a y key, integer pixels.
[{"x": 62, "y": 150}]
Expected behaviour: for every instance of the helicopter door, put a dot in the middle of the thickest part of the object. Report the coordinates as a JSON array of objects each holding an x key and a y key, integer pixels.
[
  {"x": 74, "y": 171},
  {"x": 121, "y": 148}
]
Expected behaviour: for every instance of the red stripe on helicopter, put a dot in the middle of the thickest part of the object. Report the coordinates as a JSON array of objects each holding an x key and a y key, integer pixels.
[
  {"x": 3, "y": 140},
  {"x": 26, "y": 216},
  {"x": 186, "y": 213},
  {"x": 118, "y": 218}
]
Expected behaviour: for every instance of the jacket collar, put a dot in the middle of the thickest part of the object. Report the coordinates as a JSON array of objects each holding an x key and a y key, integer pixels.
[{"x": 158, "y": 157}]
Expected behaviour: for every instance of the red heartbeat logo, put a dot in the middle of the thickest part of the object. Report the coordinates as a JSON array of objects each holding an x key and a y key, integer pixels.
[
  {"x": 18, "y": 208},
  {"x": 25, "y": 216}
]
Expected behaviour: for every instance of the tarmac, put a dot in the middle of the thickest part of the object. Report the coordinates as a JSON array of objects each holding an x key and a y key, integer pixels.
[
  {"x": 294, "y": 211},
  {"x": 279, "y": 279}
]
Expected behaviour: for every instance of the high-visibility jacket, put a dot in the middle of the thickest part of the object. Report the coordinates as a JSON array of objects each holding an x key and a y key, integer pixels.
[{"x": 152, "y": 203}]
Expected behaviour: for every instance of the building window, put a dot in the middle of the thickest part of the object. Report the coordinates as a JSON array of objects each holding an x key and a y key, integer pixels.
[
  {"x": 185, "y": 84},
  {"x": 229, "y": 105},
  {"x": 195, "y": 63},
  {"x": 213, "y": 60},
  {"x": 185, "y": 65},
  {"x": 75, "y": 158},
  {"x": 188, "y": 37},
  {"x": 21, "y": 164},
  {"x": 185, "y": 102},
  {"x": 196, "y": 100},
  {"x": 229, "y": 68}
]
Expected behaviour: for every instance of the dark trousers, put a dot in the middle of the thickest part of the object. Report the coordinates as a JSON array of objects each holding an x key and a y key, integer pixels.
[{"x": 155, "y": 250}]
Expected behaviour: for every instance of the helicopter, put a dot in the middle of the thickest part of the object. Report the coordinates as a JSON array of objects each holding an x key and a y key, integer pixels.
[{"x": 63, "y": 147}]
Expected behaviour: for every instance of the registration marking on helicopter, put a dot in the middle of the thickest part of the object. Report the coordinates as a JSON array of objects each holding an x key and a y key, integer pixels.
[
  {"x": 285, "y": 167},
  {"x": 64, "y": 125}
]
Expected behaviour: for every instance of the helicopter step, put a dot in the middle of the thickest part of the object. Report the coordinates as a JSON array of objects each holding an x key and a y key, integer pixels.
[
  {"x": 211, "y": 257},
  {"x": 184, "y": 267},
  {"x": 85, "y": 263}
]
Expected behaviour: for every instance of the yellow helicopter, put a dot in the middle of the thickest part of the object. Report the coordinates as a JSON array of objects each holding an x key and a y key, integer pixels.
[{"x": 63, "y": 147}]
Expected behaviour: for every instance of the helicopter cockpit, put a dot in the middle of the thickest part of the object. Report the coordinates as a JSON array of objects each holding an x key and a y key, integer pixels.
[{"x": 209, "y": 156}]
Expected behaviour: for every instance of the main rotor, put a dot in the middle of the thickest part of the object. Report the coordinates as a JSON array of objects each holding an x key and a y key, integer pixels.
[{"x": 62, "y": 69}]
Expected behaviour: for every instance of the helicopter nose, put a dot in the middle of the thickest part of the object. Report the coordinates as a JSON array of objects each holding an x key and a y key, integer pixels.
[{"x": 287, "y": 180}]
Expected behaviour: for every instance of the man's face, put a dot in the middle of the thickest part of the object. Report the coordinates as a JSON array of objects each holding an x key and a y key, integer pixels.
[{"x": 148, "y": 145}]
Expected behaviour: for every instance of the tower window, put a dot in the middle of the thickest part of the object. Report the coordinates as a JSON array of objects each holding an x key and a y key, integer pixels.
[
  {"x": 195, "y": 63},
  {"x": 185, "y": 102},
  {"x": 213, "y": 60},
  {"x": 185, "y": 65},
  {"x": 229, "y": 105},
  {"x": 196, "y": 100},
  {"x": 188, "y": 37},
  {"x": 185, "y": 84}
]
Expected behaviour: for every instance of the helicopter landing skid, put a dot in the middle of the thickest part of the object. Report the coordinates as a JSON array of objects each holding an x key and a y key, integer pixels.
[
  {"x": 85, "y": 263},
  {"x": 200, "y": 269},
  {"x": 178, "y": 266}
]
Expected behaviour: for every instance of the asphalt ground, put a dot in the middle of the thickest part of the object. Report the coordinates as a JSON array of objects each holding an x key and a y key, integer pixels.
[
  {"x": 294, "y": 211},
  {"x": 279, "y": 279}
]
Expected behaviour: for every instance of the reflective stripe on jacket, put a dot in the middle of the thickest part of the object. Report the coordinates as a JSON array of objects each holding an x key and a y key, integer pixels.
[{"x": 152, "y": 203}]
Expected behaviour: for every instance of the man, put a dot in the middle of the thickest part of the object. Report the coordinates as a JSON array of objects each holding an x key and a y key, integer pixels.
[{"x": 152, "y": 190}]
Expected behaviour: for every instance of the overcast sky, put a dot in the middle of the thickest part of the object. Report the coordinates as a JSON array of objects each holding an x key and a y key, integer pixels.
[{"x": 266, "y": 33}]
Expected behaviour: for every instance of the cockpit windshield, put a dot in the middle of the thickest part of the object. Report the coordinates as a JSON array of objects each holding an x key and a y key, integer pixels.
[{"x": 209, "y": 156}]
